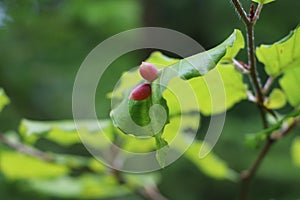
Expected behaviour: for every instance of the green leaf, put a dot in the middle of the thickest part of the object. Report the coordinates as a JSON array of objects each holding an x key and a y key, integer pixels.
[
  {"x": 177, "y": 135},
  {"x": 282, "y": 55},
  {"x": 142, "y": 120},
  {"x": 200, "y": 64},
  {"x": 254, "y": 140},
  {"x": 290, "y": 84},
  {"x": 4, "y": 100},
  {"x": 188, "y": 68},
  {"x": 295, "y": 150},
  {"x": 276, "y": 99},
  {"x": 83, "y": 187},
  {"x": 64, "y": 187},
  {"x": 78, "y": 162},
  {"x": 263, "y": 1},
  {"x": 211, "y": 165},
  {"x": 61, "y": 132},
  {"x": 18, "y": 166},
  {"x": 160, "y": 60},
  {"x": 219, "y": 90},
  {"x": 101, "y": 186}
]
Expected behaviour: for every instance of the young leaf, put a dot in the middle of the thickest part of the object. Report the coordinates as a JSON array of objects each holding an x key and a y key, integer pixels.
[
  {"x": 282, "y": 55},
  {"x": 263, "y": 1},
  {"x": 276, "y": 99},
  {"x": 4, "y": 100},
  {"x": 290, "y": 84},
  {"x": 255, "y": 139}
]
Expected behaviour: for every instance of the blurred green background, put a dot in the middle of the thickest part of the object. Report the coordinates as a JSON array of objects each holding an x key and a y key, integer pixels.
[{"x": 43, "y": 43}]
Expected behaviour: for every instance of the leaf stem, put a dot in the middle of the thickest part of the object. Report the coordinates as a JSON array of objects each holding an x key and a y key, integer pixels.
[
  {"x": 247, "y": 175},
  {"x": 257, "y": 12}
]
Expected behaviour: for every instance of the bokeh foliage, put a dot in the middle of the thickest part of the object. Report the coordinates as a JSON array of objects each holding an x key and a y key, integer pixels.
[{"x": 43, "y": 43}]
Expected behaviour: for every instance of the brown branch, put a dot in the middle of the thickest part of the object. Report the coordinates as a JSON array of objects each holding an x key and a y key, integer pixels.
[
  {"x": 24, "y": 149},
  {"x": 241, "y": 11},
  {"x": 246, "y": 176},
  {"x": 253, "y": 72}
]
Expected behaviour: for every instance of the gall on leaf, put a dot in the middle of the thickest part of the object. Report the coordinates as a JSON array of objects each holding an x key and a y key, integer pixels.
[
  {"x": 148, "y": 71},
  {"x": 140, "y": 92}
]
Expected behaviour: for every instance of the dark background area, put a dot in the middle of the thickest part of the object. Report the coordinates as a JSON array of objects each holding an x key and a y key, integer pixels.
[{"x": 43, "y": 43}]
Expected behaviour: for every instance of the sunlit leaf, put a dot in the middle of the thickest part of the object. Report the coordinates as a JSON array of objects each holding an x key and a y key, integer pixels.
[
  {"x": 211, "y": 165},
  {"x": 4, "y": 100},
  {"x": 290, "y": 84},
  {"x": 295, "y": 150},
  {"x": 200, "y": 64},
  {"x": 263, "y": 1},
  {"x": 15, "y": 165},
  {"x": 177, "y": 133},
  {"x": 276, "y": 99},
  {"x": 61, "y": 132},
  {"x": 160, "y": 60},
  {"x": 282, "y": 55},
  {"x": 219, "y": 90}
]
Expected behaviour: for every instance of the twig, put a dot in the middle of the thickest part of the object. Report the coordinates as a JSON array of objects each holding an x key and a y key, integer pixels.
[
  {"x": 240, "y": 66},
  {"x": 257, "y": 12},
  {"x": 247, "y": 175},
  {"x": 147, "y": 193},
  {"x": 280, "y": 134},
  {"x": 253, "y": 72},
  {"x": 268, "y": 85},
  {"x": 241, "y": 11},
  {"x": 27, "y": 150}
]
